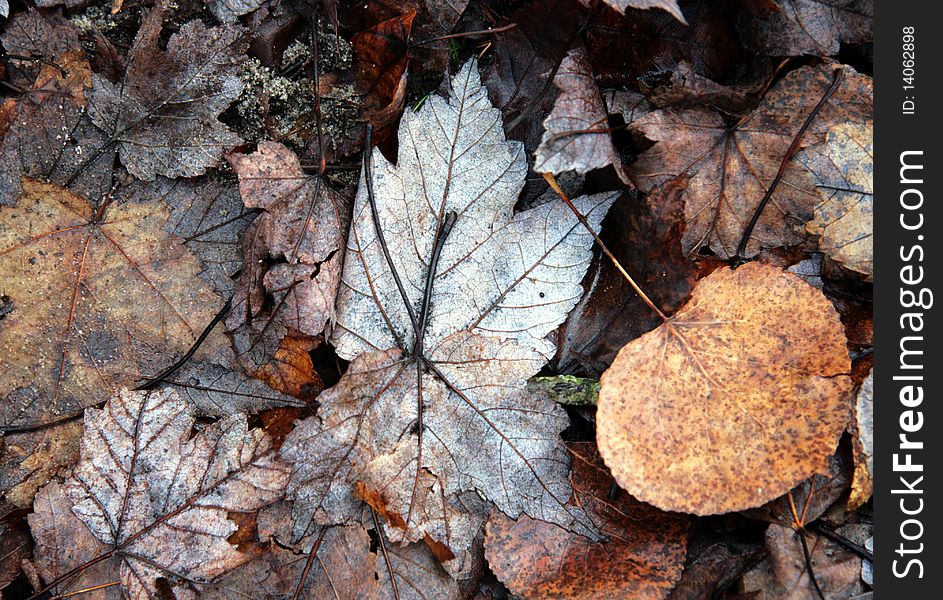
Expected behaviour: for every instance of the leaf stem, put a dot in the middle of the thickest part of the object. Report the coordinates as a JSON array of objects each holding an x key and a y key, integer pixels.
[{"x": 648, "y": 301}]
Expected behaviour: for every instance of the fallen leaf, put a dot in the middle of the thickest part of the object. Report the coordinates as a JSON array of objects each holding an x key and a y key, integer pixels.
[
  {"x": 813, "y": 26},
  {"x": 642, "y": 558},
  {"x": 33, "y": 34},
  {"x": 712, "y": 569},
  {"x": 784, "y": 576},
  {"x": 163, "y": 115},
  {"x": 50, "y": 136},
  {"x": 424, "y": 418},
  {"x": 843, "y": 169},
  {"x": 645, "y": 235},
  {"x": 29, "y": 459},
  {"x": 738, "y": 397},
  {"x": 576, "y": 132},
  {"x": 98, "y": 297},
  {"x": 64, "y": 543},
  {"x": 731, "y": 168},
  {"x": 159, "y": 499},
  {"x": 670, "y": 6},
  {"x": 862, "y": 485},
  {"x": 686, "y": 88},
  {"x": 293, "y": 260},
  {"x": 291, "y": 370}
]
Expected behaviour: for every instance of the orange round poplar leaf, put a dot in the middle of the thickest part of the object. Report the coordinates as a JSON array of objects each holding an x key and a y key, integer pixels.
[{"x": 733, "y": 401}]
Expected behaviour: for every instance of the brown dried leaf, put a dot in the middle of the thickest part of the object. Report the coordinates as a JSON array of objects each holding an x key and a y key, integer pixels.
[
  {"x": 784, "y": 576},
  {"x": 50, "y": 136},
  {"x": 730, "y": 168},
  {"x": 63, "y": 542},
  {"x": 427, "y": 414},
  {"x": 14, "y": 547},
  {"x": 642, "y": 558},
  {"x": 159, "y": 497},
  {"x": 31, "y": 33},
  {"x": 576, "y": 136},
  {"x": 163, "y": 115},
  {"x": 733, "y": 401},
  {"x": 843, "y": 169},
  {"x": 812, "y": 26},
  {"x": 292, "y": 253},
  {"x": 32, "y": 458},
  {"x": 98, "y": 297}
]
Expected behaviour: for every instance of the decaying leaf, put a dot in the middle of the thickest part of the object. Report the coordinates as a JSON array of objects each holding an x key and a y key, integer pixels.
[
  {"x": 29, "y": 459},
  {"x": 671, "y": 6},
  {"x": 642, "y": 557},
  {"x": 862, "y": 484},
  {"x": 35, "y": 35},
  {"x": 843, "y": 169},
  {"x": 784, "y": 576},
  {"x": 813, "y": 26},
  {"x": 576, "y": 136},
  {"x": 731, "y": 402},
  {"x": 98, "y": 297},
  {"x": 51, "y": 137},
  {"x": 731, "y": 168},
  {"x": 163, "y": 115},
  {"x": 158, "y": 499},
  {"x": 434, "y": 403},
  {"x": 15, "y": 546},
  {"x": 293, "y": 260}
]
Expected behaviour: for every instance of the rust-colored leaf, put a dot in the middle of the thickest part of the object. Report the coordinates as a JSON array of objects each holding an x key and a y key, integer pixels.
[
  {"x": 642, "y": 557},
  {"x": 291, "y": 371},
  {"x": 731, "y": 402}
]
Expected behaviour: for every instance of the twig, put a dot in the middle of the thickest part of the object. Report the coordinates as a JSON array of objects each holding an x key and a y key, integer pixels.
[
  {"x": 453, "y": 36},
  {"x": 843, "y": 541},
  {"x": 793, "y": 147},
  {"x": 308, "y": 563},
  {"x": 386, "y": 557}
]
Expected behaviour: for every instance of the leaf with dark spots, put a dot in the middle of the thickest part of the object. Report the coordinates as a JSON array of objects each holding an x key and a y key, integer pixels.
[
  {"x": 646, "y": 235},
  {"x": 163, "y": 114},
  {"x": 101, "y": 298},
  {"x": 642, "y": 556},
  {"x": 292, "y": 255},
  {"x": 50, "y": 137},
  {"x": 731, "y": 402},
  {"x": 434, "y": 403}
]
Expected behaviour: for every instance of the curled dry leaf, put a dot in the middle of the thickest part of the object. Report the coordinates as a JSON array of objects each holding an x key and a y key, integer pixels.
[
  {"x": 843, "y": 169},
  {"x": 642, "y": 558},
  {"x": 163, "y": 115},
  {"x": 576, "y": 132},
  {"x": 293, "y": 260},
  {"x": 158, "y": 497},
  {"x": 731, "y": 402},
  {"x": 862, "y": 484},
  {"x": 813, "y": 26},
  {"x": 731, "y": 168},
  {"x": 670, "y": 6},
  {"x": 434, "y": 403}
]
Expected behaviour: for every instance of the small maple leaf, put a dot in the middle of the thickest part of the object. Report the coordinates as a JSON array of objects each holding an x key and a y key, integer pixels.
[
  {"x": 157, "y": 498},
  {"x": 434, "y": 403},
  {"x": 163, "y": 115}
]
